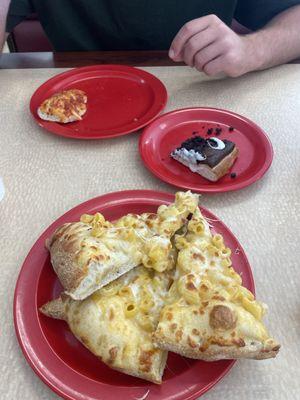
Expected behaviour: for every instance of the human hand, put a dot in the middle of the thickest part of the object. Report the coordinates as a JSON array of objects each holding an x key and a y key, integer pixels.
[{"x": 209, "y": 45}]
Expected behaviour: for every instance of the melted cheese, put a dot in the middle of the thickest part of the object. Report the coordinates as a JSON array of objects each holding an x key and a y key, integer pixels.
[
  {"x": 144, "y": 285},
  {"x": 64, "y": 105},
  {"x": 137, "y": 239},
  {"x": 123, "y": 340},
  {"x": 204, "y": 278}
]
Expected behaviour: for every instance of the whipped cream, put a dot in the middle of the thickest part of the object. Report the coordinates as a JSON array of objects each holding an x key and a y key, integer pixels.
[
  {"x": 190, "y": 156},
  {"x": 218, "y": 143}
]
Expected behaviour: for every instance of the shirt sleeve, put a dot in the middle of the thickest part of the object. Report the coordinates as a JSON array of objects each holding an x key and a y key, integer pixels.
[
  {"x": 254, "y": 14},
  {"x": 17, "y": 12}
]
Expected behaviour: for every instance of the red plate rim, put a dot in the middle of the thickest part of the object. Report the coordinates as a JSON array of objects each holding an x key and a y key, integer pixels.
[
  {"x": 21, "y": 296},
  {"x": 207, "y": 189},
  {"x": 155, "y": 82}
]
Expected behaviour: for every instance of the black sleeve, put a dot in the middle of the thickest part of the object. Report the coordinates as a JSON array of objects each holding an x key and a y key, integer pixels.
[
  {"x": 17, "y": 12},
  {"x": 254, "y": 14}
]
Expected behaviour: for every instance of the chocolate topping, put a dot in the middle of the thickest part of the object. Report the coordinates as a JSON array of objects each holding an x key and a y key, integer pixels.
[
  {"x": 196, "y": 143},
  {"x": 213, "y": 156}
]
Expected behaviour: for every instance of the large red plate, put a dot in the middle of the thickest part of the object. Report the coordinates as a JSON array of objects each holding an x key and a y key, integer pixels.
[
  {"x": 121, "y": 100},
  {"x": 169, "y": 130},
  {"x": 62, "y": 362}
]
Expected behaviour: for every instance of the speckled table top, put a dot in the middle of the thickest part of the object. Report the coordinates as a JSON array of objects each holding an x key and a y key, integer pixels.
[{"x": 45, "y": 175}]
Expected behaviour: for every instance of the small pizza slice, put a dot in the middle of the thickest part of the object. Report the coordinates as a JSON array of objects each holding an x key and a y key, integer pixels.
[
  {"x": 66, "y": 106},
  {"x": 209, "y": 314},
  {"x": 89, "y": 254},
  {"x": 116, "y": 323}
]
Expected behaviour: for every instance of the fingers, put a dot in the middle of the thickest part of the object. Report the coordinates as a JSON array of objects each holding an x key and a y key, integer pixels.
[
  {"x": 186, "y": 32},
  {"x": 207, "y": 55},
  {"x": 211, "y": 46},
  {"x": 214, "y": 67},
  {"x": 229, "y": 63},
  {"x": 196, "y": 43}
]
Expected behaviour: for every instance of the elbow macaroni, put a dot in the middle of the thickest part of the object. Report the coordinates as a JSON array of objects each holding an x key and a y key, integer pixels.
[{"x": 130, "y": 310}]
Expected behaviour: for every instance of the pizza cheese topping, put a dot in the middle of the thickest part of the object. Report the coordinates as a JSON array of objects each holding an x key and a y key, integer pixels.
[{"x": 64, "y": 106}]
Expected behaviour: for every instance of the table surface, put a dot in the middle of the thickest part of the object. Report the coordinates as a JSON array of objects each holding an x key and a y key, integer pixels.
[{"x": 45, "y": 175}]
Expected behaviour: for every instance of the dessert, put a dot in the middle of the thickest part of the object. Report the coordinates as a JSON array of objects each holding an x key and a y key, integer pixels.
[{"x": 211, "y": 158}]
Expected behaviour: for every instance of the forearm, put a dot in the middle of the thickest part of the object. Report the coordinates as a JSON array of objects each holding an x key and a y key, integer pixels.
[
  {"x": 3, "y": 14},
  {"x": 278, "y": 42}
]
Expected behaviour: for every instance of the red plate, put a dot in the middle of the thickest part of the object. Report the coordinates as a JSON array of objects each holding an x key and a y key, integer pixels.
[
  {"x": 62, "y": 362},
  {"x": 169, "y": 130},
  {"x": 121, "y": 100}
]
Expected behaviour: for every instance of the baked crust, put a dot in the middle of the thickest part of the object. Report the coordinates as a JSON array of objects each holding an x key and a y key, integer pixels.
[
  {"x": 64, "y": 244},
  {"x": 256, "y": 351},
  {"x": 223, "y": 167}
]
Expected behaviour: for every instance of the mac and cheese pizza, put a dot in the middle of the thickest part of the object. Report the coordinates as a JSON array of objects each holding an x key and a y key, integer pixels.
[
  {"x": 208, "y": 314},
  {"x": 88, "y": 254},
  {"x": 128, "y": 304},
  {"x": 117, "y": 321}
]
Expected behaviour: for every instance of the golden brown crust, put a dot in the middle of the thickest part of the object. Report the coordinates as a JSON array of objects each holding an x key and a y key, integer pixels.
[
  {"x": 63, "y": 245},
  {"x": 54, "y": 309},
  {"x": 223, "y": 167},
  {"x": 149, "y": 376},
  {"x": 215, "y": 352}
]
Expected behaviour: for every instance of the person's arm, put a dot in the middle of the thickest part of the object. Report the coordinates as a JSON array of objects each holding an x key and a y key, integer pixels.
[
  {"x": 279, "y": 41},
  {"x": 3, "y": 14},
  {"x": 211, "y": 46}
]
